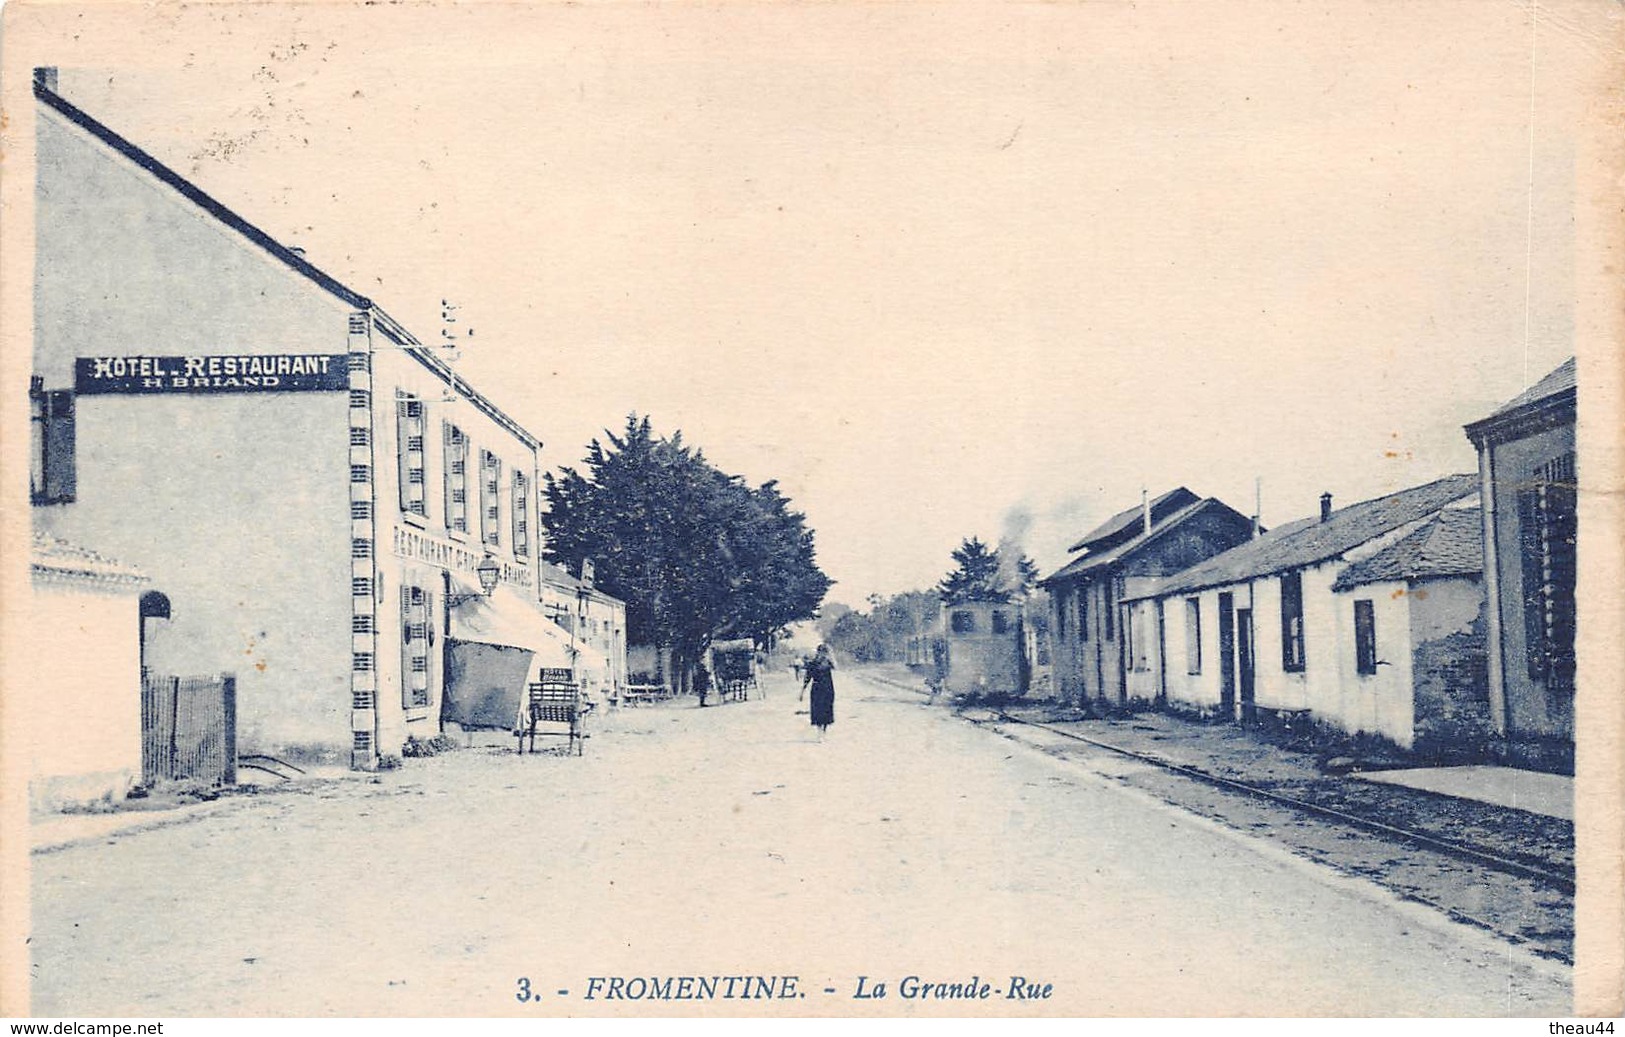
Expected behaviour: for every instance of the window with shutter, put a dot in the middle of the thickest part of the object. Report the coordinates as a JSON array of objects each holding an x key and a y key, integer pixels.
[
  {"x": 1365, "y": 637},
  {"x": 1548, "y": 528},
  {"x": 521, "y": 514},
  {"x": 490, "y": 498},
  {"x": 52, "y": 475},
  {"x": 414, "y": 647},
  {"x": 1193, "y": 635},
  {"x": 456, "y": 479},
  {"x": 409, "y": 448}
]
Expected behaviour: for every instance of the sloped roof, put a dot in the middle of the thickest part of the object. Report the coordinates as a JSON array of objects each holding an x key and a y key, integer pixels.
[
  {"x": 50, "y": 556},
  {"x": 1118, "y": 552},
  {"x": 1452, "y": 544},
  {"x": 1560, "y": 380},
  {"x": 1173, "y": 500},
  {"x": 1310, "y": 540},
  {"x": 1544, "y": 404},
  {"x": 277, "y": 251}
]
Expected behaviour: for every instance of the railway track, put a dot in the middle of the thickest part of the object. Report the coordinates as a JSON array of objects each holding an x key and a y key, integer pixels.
[
  {"x": 1450, "y": 848},
  {"x": 1516, "y": 901}
]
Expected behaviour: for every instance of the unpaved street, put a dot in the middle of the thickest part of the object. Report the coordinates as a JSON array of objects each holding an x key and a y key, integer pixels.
[{"x": 727, "y": 841}]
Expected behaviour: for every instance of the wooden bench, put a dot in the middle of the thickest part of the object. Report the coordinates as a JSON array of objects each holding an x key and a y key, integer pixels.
[
  {"x": 637, "y": 694},
  {"x": 555, "y": 699}
]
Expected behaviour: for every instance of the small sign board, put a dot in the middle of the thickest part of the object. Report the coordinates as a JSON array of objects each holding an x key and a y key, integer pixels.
[{"x": 259, "y": 372}]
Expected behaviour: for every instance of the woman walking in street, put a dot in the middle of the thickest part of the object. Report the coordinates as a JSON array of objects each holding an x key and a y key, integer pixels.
[{"x": 820, "y": 676}]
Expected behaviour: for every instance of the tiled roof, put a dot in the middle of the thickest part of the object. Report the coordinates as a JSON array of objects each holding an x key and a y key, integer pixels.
[
  {"x": 1166, "y": 504},
  {"x": 1093, "y": 560},
  {"x": 1452, "y": 544},
  {"x": 276, "y": 250},
  {"x": 50, "y": 556},
  {"x": 1558, "y": 381},
  {"x": 1310, "y": 540}
]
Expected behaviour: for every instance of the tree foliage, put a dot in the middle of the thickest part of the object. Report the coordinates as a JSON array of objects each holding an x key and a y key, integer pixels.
[
  {"x": 694, "y": 552},
  {"x": 881, "y": 634},
  {"x": 982, "y": 573}
]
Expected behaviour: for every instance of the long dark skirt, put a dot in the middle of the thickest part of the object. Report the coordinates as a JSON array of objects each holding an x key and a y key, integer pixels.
[{"x": 823, "y": 703}]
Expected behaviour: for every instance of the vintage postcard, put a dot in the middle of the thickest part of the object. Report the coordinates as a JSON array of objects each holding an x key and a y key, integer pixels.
[{"x": 785, "y": 510}]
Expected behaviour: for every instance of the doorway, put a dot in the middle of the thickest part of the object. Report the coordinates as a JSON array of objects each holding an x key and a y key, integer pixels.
[
  {"x": 1227, "y": 656},
  {"x": 1244, "y": 654}
]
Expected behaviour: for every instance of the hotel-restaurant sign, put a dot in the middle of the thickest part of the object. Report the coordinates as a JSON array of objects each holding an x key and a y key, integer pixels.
[{"x": 296, "y": 372}]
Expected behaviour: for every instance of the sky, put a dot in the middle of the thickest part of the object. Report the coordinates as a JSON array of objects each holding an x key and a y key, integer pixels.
[{"x": 942, "y": 271}]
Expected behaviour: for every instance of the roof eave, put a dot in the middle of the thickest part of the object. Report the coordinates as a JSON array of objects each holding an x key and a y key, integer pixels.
[{"x": 281, "y": 253}]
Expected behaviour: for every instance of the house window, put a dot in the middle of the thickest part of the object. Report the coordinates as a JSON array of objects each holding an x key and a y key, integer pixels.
[
  {"x": 1547, "y": 528},
  {"x": 1062, "y": 603},
  {"x": 409, "y": 446},
  {"x": 1365, "y": 637},
  {"x": 415, "y": 613},
  {"x": 490, "y": 497},
  {"x": 1001, "y": 621},
  {"x": 52, "y": 476},
  {"x": 1083, "y": 611},
  {"x": 456, "y": 480},
  {"x": 521, "y": 514},
  {"x": 1193, "y": 635},
  {"x": 1292, "y": 622},
  {"x": 962, "y": 621}
]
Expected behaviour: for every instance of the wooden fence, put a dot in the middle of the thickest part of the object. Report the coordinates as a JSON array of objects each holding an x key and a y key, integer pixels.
[{"x": 189, "y": 729}]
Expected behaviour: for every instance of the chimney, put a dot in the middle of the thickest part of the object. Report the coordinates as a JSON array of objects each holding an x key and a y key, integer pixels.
[
  {"x": 1145, "y": 511},
  {"x": 45, "y": 78},
  {"x": 1325, "y": 506},
  {"x": 1258, "y": 504}
]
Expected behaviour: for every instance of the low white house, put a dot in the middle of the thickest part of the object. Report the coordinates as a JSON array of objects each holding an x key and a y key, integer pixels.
[
  {"x": 1412, "y": 638},
  {"x": 82, "y": 711},
  {"x": 1266, "y": 630}
]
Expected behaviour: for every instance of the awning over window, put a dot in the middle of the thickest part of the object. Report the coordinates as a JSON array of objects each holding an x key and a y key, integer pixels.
[{"x": 505, "y": 618}]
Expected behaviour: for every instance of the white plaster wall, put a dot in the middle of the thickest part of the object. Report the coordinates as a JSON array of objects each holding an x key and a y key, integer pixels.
[
  {"x": 1443, "y": 607},
  {"x": 1200, "y": 690},
  {"x": 127, "y": 265},
  {"x": 81, "y": 711},
  {"x": 1381, "y": 703},
  {"x": 236, "y": 505},
  {"x": 1142, "y": 677},
  {"x": 237, "y": 508}
]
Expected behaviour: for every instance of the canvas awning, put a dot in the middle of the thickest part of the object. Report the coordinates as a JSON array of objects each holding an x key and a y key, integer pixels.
[
  {"x": 499, "y": 643},
  {"x": 505, "y": 618}
]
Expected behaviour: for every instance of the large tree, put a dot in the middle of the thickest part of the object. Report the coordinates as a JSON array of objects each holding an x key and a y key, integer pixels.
[{"x": 694, "y": 552}]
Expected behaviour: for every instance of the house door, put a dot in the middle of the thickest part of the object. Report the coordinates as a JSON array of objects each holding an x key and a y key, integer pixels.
[
  {"x": 1227, "y": 656},
  {"x": 1244, "y": 655}
]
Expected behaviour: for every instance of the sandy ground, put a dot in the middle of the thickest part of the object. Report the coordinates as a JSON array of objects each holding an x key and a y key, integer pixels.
[{"x": 729, "y": 841}]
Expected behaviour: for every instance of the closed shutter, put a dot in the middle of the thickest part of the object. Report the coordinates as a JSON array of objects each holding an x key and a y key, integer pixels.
[
  {"x": 414, "y": 647},
  {"x": 490, "y": 498},
  {"x": 409, "y": 446},
  {"x": 521, "y": 514},
  {"x": 53, "y": 478},
  {"x": 456, "y": 480}
]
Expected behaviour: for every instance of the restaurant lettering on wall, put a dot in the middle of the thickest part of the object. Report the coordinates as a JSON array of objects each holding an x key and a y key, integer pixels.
[{"x": 291, "y": 372}]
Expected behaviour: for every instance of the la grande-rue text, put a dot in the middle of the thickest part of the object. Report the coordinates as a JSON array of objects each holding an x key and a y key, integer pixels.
[{"x": 913, "y": 988}]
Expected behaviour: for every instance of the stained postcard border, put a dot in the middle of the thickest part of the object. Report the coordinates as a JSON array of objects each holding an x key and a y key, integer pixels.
[{"x": 67, "y": 34}]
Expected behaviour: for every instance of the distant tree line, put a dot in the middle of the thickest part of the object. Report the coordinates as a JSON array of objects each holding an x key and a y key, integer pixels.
[
  {"x": 883, "y": 633},
  {"x": 697, "y": 554}
]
